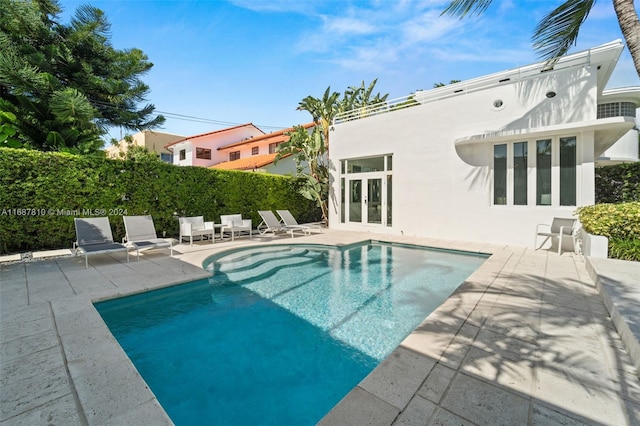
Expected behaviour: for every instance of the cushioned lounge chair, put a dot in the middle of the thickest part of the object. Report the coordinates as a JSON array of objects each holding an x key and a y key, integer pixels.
[
  {"x": 195, "y": 226},
  {"x": 289, "y": 220},
  {"x": 235, "y": 224},
  {"x": 559, "y": 229},
  {"x": 141, "y": 234},
  {"x": 270, "y": 223},
  {"x": 94, "y": 236}
]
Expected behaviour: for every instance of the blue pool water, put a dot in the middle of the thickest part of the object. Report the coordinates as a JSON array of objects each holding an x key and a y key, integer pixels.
[{"x": 278, "y": 335}]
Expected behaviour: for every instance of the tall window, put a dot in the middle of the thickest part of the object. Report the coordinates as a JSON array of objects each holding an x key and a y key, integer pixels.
[
  {"x": 203, "y": 153},
  {"x": 520, "y": 167},
  {"x": 183, "y": 154},
  {"x": 543, "y": 172},
  {"x": 389, "y": 196},
  {"x": 235, "y": 155},
  {"x": 342, "y": 195},
  {"x": 500, "y": 174},
  {"x": 568, "y": 171}
]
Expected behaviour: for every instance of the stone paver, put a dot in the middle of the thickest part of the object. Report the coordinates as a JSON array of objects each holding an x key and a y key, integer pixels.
[{"x": 526, "y": 339}]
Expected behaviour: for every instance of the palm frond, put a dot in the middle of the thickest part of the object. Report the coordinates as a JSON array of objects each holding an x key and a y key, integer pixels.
[
  {"x": 558, "y": 31},
  {"x": 462, "y": 8}
]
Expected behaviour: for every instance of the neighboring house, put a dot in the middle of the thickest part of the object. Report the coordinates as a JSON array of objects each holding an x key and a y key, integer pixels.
[
  {"x": 151, "y": 140},
  {"x": 616, "y": 102},
  {"x": 481, "y": 160},
  {"x": 202, "y": 150},
  {"x": 258, "y": 154},
  {"x": 243, "y": 147}
]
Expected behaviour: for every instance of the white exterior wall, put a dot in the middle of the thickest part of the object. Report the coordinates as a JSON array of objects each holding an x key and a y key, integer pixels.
[
  {"x": 189, "y": 154},
  {"x": 625, "y": 150},
  {"x": 445, "y": 192}
]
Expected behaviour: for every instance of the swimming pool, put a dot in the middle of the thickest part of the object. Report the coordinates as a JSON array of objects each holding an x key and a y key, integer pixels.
[{"x": 279, "y": 334}]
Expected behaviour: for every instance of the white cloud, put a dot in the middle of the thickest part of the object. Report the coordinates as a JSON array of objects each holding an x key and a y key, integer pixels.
[
  {"x": 282, "y": 6},
  {"x": 427, "y": 27},
  {"x": 341, "y": 26}
]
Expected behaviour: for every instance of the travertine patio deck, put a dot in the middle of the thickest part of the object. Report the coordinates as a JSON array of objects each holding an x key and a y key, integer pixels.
[{"x": 525, "y": 340}]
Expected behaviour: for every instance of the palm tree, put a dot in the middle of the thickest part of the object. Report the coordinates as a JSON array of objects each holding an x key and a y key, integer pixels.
[
  {"x": 323, "y": 110},
  {"x": 362, "y": 97},
  {"x": 557, "y": 31}
]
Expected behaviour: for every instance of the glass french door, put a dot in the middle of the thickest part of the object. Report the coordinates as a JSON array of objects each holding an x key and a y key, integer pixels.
[{"x": 366, "y": 200}]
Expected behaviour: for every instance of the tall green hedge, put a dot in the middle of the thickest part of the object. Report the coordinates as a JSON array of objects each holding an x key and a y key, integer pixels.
[
  {"x": 41, "y": 193},
  {"x": 618, "y": 184}
]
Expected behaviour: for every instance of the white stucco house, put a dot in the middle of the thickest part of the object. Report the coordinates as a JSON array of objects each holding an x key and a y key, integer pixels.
[
  {"x": 481, "y": 160},
  {"x": 616, "y": 102}
]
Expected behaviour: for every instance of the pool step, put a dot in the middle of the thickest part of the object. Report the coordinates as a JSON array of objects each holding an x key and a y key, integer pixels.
[{"x": 263, "y": 266}]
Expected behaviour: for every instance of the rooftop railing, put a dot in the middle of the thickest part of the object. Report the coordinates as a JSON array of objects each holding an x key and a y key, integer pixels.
[{"x": 420, "y": 97}]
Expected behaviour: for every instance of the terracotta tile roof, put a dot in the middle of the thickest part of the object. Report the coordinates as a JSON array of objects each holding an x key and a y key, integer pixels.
[
  {"x": 248, "y": 163},
  {"x": 273, "y": 137},
  {"x": 211, "y": 133}
]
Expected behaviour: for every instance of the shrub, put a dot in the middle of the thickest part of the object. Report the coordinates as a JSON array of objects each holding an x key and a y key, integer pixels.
[
  {"x": 612, "y": 220},
  {"x": 42, "y": 192},
  {"x": 625, "y": 249},
  {"x": 620, "y": 223}
]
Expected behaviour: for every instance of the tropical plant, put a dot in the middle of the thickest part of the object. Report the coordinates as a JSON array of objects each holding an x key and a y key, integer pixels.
[
  {"x": 323, "y": 110},
  {"x": 436, "y": 85},
  {"x": 8, "y": 130},
  {"x": 309, "y": 153},
  {"x": 65, "y": 84},
  {"x": 558, "y": 31},
  {"x": 362, "y": 98},
  {"x": 311, "y": 150}
]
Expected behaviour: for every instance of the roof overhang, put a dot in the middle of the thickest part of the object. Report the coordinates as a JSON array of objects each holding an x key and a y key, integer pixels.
[
  {"x": 607, "y": 132},
  {"x": 621, "y": 94},
  {"x": 248, "y": 163}
]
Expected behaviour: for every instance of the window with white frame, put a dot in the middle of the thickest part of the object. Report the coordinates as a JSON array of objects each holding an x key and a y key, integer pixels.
[{"x": 515, "y": 172}]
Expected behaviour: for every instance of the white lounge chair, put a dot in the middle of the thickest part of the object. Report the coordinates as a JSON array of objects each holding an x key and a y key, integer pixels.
[
  {"x": 559, "y": 229},
  {"x": 289, "y": 220},
  {"x": 234, "y": 223},
  {"x": 195, "y": 226},
  {"x": 141, "y": 234},
  {"x": 94, "y": 236},
  {"x": 270, "y": 223}
]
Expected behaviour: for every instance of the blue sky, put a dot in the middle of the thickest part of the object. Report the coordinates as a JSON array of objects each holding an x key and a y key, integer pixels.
[{"x": 241, "y": 61}]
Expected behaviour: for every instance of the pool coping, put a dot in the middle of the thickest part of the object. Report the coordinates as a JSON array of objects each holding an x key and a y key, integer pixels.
[{"x": 84, "y": 377}]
